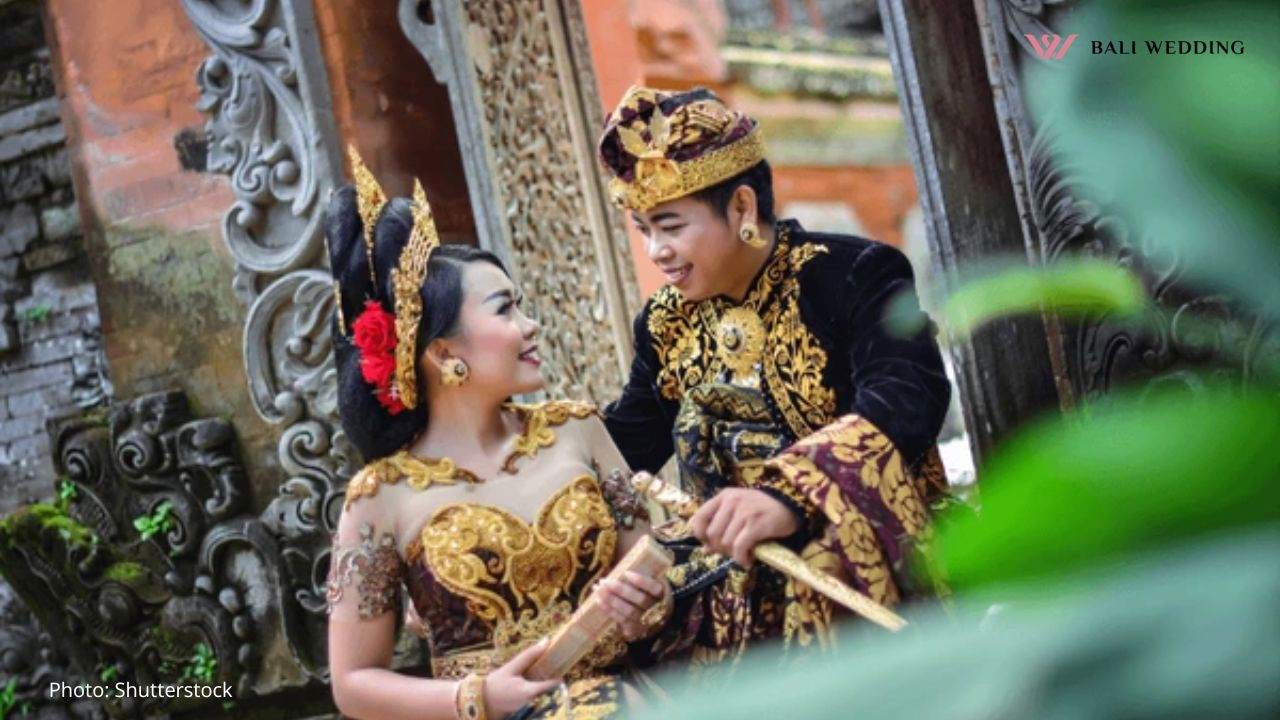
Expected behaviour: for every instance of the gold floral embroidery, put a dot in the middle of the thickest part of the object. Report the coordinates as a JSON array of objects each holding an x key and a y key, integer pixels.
[
  {"x": 675, "y": 334},
  {"x": 794, "y": 359},
  {"x": 684, "y": 336},
  {"x": 858, "y": 442},
  {"x": 539, "y": 419},
  {"x": 422, "y": 473},
  {"x": 419, "y": 473},
  {"x": 505, "y": 567},
  {"x": 373, "y": 567},
  {"x": 591, "y": 698}
]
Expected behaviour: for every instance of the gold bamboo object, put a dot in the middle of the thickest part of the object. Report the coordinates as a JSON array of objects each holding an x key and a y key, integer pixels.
[{"x": 680, "y": 503}]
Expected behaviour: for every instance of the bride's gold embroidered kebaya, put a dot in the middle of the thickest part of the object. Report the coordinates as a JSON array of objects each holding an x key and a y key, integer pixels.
[
  {"x": 797, "y": 388},
  {"x": 485, "y": 579}
]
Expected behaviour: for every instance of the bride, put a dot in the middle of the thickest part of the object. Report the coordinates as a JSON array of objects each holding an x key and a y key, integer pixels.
[{"x": 496, "y": 518}]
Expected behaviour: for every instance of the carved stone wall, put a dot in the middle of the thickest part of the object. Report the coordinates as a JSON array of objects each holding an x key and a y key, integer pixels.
[
  {"x": 523, "y": 96},
  {"x": 150, "y": 557},
  {"x": 1188, "y": 334}
]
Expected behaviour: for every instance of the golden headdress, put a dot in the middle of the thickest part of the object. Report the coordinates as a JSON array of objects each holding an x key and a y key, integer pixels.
[
  {"x": 655, "y": 155},
  {"x": 369, "y": 199},
  {"x": 406, "y": 278},
  {"x": 406, "y": 285}
]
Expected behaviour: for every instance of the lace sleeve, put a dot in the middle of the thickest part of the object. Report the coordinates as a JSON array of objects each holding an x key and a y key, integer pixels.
[
  {"x": 365, "y": 567},
  {"x": 611, "y": 468}
]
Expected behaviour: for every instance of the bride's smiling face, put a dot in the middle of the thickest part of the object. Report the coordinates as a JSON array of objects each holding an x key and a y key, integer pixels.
[{"x": 498, "y": 342}]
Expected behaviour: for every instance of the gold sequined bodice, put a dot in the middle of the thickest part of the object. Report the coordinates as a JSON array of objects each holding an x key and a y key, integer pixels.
[
  {"x": 486, "y": 578},
  {"x": 516, "y": 580}
]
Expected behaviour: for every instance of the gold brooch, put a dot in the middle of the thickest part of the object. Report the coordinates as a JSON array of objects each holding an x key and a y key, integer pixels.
[{"x": 740, "y": 343}]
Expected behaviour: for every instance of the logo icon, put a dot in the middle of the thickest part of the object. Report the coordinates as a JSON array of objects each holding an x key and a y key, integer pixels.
[{"x": 1050, "y": 47}]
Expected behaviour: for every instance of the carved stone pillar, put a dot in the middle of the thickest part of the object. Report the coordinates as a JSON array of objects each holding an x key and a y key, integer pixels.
[
  {"x": 524, "y": 100},
  {"x": 270, "y": 130}
]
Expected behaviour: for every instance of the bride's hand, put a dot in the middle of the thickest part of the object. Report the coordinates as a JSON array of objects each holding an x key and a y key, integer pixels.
[
  {"x": 507, "y": 689},
  {"x": 627, "y": 598}
]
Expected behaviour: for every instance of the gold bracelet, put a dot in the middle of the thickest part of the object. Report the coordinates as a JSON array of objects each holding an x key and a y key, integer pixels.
[{"x": 469, "y": 701}]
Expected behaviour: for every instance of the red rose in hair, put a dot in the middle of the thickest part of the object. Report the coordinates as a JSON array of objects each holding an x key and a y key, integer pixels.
[
  {"x": 377, "y": 370},
  {"x": 375, "y": 330},
  {"x": 374, "y": 333}
]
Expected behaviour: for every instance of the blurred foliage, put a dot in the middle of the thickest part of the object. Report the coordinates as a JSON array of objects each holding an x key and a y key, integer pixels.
[
  {"x": 1186, "y": 147},
  {"x": 1076, "y": 491},
  {"x": 1131, "y": 546},
  {"x": 1190, "y": 633},
  {"x": 1076, "y": 287}
]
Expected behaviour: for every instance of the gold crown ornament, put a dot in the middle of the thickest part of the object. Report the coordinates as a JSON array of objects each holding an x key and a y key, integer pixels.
[
  {"x": 406, "y": 284},
  {"x": 713, "y": 143},
  {"x": 370, "y": 200},
  {"x": 406, "y": 278}
]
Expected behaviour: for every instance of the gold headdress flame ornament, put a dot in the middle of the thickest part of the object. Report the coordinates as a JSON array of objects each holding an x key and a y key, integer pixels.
[
  {"x": 703, "y": 123},
  {"x": 369, "y": 199},
  {"x": 406, "y": 284},
  {"x": 406, "y": 278}
]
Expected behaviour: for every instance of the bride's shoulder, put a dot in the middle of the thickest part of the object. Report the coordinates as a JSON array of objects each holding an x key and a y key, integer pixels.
[
  {"x": 402, "y": 468},
  {"x": 552, "y": 421}
]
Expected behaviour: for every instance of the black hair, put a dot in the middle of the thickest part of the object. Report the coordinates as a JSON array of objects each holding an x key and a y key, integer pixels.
[
  {"x": 758, "y": 177},
  {"x": 368, "y": 425}
]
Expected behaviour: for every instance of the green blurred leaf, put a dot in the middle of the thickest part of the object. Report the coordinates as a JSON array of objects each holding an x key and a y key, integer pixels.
[
  {"x": 1070, "y": 492},
  {"x": 1186, "y": 632},
  {"x": 1184, "y": 147},
  {"x": 1071, "y": 287}
]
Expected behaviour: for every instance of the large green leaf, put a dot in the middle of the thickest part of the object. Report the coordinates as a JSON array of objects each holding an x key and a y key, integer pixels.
[
  {"x": 1071, "y": 287},
  {"x": 1089, "y": 487},
  {"x": 1186, "y": 632}
]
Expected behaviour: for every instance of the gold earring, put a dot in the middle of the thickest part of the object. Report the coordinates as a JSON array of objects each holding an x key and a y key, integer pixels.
[
  {"x": 454, "y": 372},
  {"x": 750, "y": 235}
]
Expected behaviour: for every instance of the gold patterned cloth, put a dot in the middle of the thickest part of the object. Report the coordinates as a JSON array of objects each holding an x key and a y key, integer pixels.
[
  {"x": 863, "y": 510},
  {"x": 486, "y": 580}
]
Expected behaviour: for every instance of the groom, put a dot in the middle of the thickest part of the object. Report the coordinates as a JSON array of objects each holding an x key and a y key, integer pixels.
[{"x": 767, "y": 367}]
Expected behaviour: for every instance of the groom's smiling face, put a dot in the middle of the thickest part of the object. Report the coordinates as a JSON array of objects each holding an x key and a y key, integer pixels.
[{"x": 692, "y": 245}]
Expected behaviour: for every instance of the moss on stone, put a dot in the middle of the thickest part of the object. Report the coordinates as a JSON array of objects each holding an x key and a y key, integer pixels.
[
  {"x": 24, "y": 524},
  {"x": 126, "y": 572}
]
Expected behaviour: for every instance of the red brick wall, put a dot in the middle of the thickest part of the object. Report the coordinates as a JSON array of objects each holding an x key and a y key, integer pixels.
[
  {"x": 881, "y": 197},
  {"x": 125, "y": 72},
  {"x": 386, "y": 102}
]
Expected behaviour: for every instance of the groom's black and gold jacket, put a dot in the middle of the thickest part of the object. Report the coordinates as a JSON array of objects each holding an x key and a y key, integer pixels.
[{"x": 837, "y": 416}]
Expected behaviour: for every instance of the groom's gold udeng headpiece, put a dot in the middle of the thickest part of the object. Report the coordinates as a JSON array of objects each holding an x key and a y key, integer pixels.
[
  {"x": 408, "y": 275},
  {"x": 654, "y": 155}
]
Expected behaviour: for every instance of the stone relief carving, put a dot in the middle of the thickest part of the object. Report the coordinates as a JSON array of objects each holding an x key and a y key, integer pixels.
[
  {"x": 524, "y": 97},
  {"x": 31, "y": 660},
  {"x": 265, "y": 92},
  {"x": 151, "y": 558}
]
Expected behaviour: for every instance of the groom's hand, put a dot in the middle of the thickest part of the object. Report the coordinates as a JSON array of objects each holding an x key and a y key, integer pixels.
[{"x": 737, "y": 519}]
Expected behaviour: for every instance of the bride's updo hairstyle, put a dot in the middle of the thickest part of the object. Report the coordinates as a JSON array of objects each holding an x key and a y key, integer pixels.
[{"x": 379, "y": 427}]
